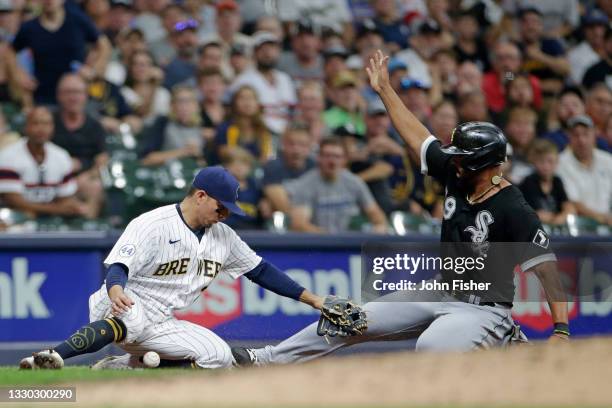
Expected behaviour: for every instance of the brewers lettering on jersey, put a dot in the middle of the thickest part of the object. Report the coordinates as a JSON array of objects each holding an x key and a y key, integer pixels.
[
  {"x": 162, "y": 262},
  {"x": 480, "y": 207}
]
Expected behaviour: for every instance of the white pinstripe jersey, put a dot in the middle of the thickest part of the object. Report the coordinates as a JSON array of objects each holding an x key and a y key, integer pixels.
[{"x": 169, "y": 266}]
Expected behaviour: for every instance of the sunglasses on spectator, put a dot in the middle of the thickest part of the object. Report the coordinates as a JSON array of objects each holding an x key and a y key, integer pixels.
[{"x": 185, "y": 25}]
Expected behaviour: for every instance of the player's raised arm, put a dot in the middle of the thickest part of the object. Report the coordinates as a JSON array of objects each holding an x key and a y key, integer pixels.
[{"x": 408, "y": 126}]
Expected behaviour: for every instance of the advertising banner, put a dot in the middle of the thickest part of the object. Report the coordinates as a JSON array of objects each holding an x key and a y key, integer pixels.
[{"x": 44, "y": 295}]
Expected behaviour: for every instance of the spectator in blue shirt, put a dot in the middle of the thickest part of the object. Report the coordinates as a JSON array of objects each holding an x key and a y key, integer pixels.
[
  {"x": 544, "y": 57},
  {"x": 59, "y": 39},
  {"x": 390, "y": 24},
  {"x": 183, "y": 67}
]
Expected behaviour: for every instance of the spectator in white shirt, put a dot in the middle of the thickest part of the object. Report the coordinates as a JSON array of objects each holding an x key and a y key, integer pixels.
[
  {"x": 36, "y": 176},
  {"x": 587, "y": 172},
  {"x": 560, "y": 17},
  {"x": 590, "y": 50},
  {"x": 275, "y": 89},
  {"x": 334, "y": 14}
]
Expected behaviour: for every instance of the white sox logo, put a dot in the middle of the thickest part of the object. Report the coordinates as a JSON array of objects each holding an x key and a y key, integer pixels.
[
  {"x": 480, "y": 232},
  {"x": 541, "y": 239}
]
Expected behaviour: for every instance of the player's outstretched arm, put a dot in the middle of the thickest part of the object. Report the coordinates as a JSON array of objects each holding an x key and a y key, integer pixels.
[
  {"x": 271, "y": 278},
  {"x": 556, "y": 297},
  {"x": 408, "y": 126}
]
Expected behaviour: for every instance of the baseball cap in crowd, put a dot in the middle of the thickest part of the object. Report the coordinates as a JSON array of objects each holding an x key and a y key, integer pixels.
[
  {"x": 6, "y": 5},
  {"x": 395, "y": 64},
  {"x": 376, "y": 107},
  {"x": 226, "y": 5},
  {"x": 208, "y": 42},
  {"x": 184, "y": 25},
  {"x": 218, "y": 183},
  {"x": 238, "y": 49},
  {"x": 583, "y": 120},
  {"x": 335, "y": 51},
  {"x": 410, "y": 83},
  {"x": 530, "y": 9},
  {"x": 346, "y": 130},
  {"x": 354, "y": 62},
  {"x": 595, "y": 17},
  {"x": 368, "y": 26},
  {"x": 305, "y": 26},
  {"x": 264, "y": 37},
  {"x": 344, "y": 78},
  {"x": 429, "y": 27},
  {"x": 122, "y": 3}
]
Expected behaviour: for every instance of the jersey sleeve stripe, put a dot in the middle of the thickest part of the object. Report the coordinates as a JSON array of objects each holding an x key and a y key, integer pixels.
[
  {"x": 424, "y": 146},
  {"x": 7, "y": 174},
  {"x": 525, "y": 266}
]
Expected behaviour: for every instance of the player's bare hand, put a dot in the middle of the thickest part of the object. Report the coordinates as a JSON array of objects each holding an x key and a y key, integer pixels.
[
  {"x": 378, "y": 72},
  {"x": 311, "y": 299},
  {"x": 120, "y": 302}
]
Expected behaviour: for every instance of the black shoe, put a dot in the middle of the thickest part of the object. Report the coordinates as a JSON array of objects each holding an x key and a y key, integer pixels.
[{"x": 244, "y": 357}]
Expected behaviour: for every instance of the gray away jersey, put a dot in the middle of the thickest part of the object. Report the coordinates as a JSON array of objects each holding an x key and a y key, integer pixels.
[{"x": 169, "y": 267}]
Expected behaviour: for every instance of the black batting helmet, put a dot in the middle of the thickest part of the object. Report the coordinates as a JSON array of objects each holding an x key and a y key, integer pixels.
[{"x": 480, "y": 144}]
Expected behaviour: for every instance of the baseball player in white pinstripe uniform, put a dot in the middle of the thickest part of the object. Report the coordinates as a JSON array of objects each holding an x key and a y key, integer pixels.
[{"x": 161, "y": 262}]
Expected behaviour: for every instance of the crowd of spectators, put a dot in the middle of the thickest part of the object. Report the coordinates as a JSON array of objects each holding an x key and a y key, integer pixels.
[{"x": 276, "y": 92}]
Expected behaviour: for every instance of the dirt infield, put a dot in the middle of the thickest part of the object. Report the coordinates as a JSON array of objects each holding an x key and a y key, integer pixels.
[{"x": 575, "y": 374}]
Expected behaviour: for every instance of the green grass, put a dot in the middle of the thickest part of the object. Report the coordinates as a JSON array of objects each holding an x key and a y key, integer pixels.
[{"x": 14, "y": 376}]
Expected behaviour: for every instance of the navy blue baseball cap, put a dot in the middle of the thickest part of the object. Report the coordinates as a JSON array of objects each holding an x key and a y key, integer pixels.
[{"x": 220, "y": 185}]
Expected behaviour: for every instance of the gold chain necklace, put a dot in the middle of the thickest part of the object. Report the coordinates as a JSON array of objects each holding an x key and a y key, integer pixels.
[{"x": 495, "y": 181}]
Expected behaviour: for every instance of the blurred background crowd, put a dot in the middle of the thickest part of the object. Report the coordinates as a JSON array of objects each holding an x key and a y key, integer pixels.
[{"x": 109, "y": 106}]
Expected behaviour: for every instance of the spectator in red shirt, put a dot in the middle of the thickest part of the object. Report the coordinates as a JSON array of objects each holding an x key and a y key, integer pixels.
[{"x": 506, "y": 60}]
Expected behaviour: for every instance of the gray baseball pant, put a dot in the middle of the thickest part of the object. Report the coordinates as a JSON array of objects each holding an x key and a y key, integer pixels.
[{"x": 443, "y": 325}]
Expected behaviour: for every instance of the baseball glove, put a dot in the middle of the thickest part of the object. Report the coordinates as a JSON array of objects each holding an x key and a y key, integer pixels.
[{"x": 341, "y": 317}]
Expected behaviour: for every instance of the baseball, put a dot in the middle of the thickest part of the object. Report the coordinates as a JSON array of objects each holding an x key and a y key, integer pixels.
[{"x": 150, "y": 359}]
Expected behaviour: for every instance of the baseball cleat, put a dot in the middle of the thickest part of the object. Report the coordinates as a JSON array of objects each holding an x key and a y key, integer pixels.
[
  {"x": 27, "y": 363},
  {"x": 244, "y": 357},
  {"x": 46, "y": 359}
]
